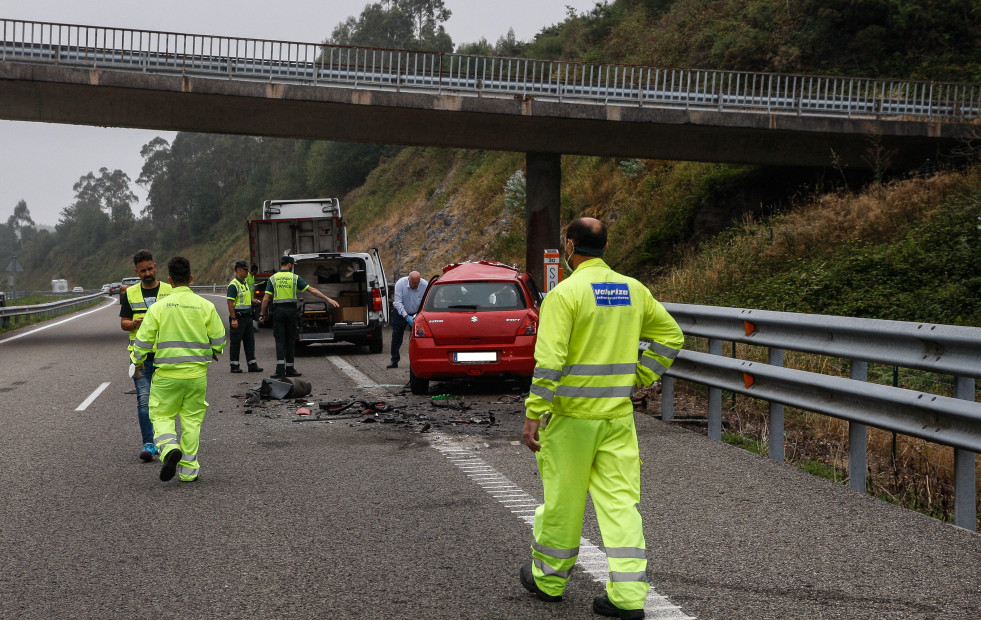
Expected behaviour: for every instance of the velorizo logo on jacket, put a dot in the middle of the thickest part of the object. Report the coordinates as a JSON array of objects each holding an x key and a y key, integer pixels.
[{"x": 611, "y": 293}]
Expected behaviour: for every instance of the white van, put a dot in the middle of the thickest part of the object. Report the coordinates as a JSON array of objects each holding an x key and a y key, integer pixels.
[{"x": 357, "y": 281}]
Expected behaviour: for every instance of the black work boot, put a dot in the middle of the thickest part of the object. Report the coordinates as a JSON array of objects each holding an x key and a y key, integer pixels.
[
  {"x": 603, "y": 606},
  {"x": 291, "y": 372},
  {"x": 236, "y": 368},
  {"x": 253, "y": 367},
  {"x": 279, "y": 373},
  {"x": 528, "y": 581},
  {"x": 170, "y": 464}
]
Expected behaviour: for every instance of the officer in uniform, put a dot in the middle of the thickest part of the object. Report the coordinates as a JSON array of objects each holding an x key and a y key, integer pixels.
[
  {"x": 188, "y": 335},
  {"x": 282, "y": 289},
  {"x": 579, "y": 420},
  {"x": 241, "y": 329}
]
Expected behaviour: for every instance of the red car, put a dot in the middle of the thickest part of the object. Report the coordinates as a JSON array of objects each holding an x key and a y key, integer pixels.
[{"x": 478, "y": 319}]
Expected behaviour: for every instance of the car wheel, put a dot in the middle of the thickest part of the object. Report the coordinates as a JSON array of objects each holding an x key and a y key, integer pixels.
[{"x": 419, "y": 387}]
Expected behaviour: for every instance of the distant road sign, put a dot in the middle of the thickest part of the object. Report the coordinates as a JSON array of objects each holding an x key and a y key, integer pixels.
[{"x": 14, "y": 265}]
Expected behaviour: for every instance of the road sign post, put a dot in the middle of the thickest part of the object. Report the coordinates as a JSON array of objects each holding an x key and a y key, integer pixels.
[{"x": 553, "y": 271}]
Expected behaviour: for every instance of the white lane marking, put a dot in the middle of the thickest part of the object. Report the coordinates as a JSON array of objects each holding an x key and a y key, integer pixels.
[
  {"x": 357, "y": 376},
  {"x": 520, "y": 503},
  {"x": 92, "y": 396},
  {"x": 71, "y": 318}
]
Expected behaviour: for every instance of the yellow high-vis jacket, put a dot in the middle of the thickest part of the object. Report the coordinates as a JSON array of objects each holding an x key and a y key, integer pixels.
[
  {"x": 186, "y": 331},
  {"x": 586, "y": 355}
]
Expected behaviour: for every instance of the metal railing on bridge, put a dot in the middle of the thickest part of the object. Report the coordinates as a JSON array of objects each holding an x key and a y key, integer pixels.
[
  {"x": 121, "y": 49},
  {"x": 945, "y": 349}
]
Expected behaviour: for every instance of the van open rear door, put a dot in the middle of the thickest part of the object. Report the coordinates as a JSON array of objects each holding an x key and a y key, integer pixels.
[{"x": 383, "y": 284}]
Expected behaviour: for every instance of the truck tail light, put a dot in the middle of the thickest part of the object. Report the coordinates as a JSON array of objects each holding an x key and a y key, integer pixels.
[
  {"x": 376, "y": 299},
  {"x": 420, "y": 328}
]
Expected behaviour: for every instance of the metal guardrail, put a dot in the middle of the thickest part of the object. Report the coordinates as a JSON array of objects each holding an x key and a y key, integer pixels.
[
  {"x": 943, "y": 349},
  {"x": 52, "y": 308},
  {"x": 148, "y": 51}
]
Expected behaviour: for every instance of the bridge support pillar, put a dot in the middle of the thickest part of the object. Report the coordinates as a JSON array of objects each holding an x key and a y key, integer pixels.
[
  {"x": 542, "y": 192},
  {"x": 858, "y": 437},
  {"x": 965, "y": 481}
]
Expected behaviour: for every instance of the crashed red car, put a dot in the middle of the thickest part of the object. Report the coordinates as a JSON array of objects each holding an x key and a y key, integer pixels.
[{"x": 478, "y": 319}]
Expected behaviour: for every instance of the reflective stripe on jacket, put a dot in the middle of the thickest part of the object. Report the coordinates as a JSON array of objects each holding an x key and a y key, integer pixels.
[
  {"x": 586, "y": 355},
  {"x": 186, "y": 331},
  {"x": 137, "y": 303},
  {"x": 243, "y": 298}
]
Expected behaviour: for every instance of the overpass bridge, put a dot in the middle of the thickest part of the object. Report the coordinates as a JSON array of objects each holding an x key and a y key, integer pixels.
[{"x": 145, "y": 79}]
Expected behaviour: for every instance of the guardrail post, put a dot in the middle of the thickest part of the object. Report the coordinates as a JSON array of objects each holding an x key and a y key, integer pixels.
[
  {"x": 667, "y": 398},
  {"x": 965, "y": 494},
  {"x": 858, "y": 435},
  {"x": 715, "y": 398},
  {"x": 775, "y": 358}
]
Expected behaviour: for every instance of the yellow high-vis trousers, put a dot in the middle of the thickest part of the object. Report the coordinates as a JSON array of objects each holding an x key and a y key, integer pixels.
[
  {"x": 170, "y": 398},
  {"x": 601, "y": 457}
]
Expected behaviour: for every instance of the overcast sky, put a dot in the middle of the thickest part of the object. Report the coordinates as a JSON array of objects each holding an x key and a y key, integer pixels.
[{"x": 40, "y": 162}]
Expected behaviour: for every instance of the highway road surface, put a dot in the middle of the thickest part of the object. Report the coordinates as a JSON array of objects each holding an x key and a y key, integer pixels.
[{"x": 345, "y": 518}]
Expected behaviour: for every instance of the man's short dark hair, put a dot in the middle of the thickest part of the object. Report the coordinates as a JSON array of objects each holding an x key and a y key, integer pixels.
[
  {"x": 286, "y": 260},
  {"x": 179, "y": 269},
  {"x": 587, "y": 235},
  {"x": 254, "y": 267},
  {"x": 142, "y": 255}
]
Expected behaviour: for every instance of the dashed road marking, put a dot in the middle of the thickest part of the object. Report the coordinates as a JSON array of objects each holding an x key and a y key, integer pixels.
[{"x": 92, "y": 397}]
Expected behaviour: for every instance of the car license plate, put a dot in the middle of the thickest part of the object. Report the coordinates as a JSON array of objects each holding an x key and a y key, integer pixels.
[{"x": 475, "y": 356}]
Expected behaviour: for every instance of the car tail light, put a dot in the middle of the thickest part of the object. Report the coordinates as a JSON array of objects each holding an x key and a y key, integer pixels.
[
  {"x": 420, "y": 328},
  {"x": 376, "y": 299},
  {"x": 529, "y": 326}
]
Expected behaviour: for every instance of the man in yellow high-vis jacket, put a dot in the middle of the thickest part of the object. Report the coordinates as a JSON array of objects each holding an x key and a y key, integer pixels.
[
  {"x": 188, "y": 335},
  {"x": 579, "y": 420}
]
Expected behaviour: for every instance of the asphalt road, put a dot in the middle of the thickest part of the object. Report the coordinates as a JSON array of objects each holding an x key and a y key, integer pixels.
[{"x": 345, "y": 518}]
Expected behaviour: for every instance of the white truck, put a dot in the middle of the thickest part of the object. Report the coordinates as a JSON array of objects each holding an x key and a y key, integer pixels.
[{"x": 315, "y": 235}]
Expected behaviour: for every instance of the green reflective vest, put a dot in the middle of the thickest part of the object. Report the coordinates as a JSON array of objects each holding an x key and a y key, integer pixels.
[
  {"x": 134, "y": 295},
  {"x": 284, "y": 288},
  {"x": 590, "y": 325},
  {"x": 186, "y": 331},
  {"x": 243, "y": 297}
]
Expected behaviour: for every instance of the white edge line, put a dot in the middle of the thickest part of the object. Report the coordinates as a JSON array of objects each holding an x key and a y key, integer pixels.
[{"x": 92, "y": 396}]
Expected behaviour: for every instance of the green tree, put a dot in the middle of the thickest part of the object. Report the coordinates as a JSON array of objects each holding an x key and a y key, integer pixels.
[
  {"x": 399, "y": 24},
  {"x": 110, "y": 192}
]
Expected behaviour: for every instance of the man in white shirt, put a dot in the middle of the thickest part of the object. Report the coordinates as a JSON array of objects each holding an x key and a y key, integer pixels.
[{"x": 408, "y": 299}]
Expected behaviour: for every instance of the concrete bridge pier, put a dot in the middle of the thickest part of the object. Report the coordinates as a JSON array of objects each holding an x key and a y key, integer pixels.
[{"x": 543, "y": 179}]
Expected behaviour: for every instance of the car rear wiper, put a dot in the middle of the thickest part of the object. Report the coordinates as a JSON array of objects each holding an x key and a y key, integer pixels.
[{"x": 463, "y": 307}]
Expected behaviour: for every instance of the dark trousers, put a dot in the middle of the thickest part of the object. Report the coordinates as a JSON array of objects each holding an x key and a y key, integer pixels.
[
  {"x": 284, "y": 331},
  {"x": 398, "y": 331},
  {"x": 243, "y": 334}
]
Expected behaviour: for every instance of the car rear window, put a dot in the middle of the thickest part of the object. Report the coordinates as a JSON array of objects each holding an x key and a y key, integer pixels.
[{"x": 475, "y": 296}]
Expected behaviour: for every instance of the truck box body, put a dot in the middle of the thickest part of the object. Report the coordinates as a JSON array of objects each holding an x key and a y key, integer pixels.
[{"x": 295, "y": 227}]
